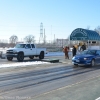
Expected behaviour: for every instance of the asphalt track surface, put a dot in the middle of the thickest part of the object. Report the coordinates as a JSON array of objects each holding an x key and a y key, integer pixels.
[{"x": 55, "y": 81}]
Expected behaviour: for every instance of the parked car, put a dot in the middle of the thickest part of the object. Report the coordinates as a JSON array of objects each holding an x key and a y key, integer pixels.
[
  {"x": 87, "y": 57},
  {"x": 22, "y": 50}
]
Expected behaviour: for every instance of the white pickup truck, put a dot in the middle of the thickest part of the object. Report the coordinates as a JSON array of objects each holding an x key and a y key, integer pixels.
[{"x": 22, "y": 50}]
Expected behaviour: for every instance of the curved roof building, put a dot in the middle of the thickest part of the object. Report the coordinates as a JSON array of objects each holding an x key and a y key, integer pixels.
[{"x": 84, "y": 34}]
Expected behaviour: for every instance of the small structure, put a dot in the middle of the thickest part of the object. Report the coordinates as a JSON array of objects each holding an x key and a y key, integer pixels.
[{"x": 86, "y": 35}]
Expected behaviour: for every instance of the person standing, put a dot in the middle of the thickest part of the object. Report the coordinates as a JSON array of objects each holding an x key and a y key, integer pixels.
[
  {"x": 74, "y": 51},
  {"x": 66, "y": 49},
  {"x": 79, "y": 49},
  {"x": 83, "y": 47}
]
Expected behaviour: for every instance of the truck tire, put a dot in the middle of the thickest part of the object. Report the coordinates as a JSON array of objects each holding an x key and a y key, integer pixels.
[
  {"x": 20, "y": 56},
  {"x": 9, "y": 58},
  {"x": 41, "y": 56},
  {"x": 31, "y": 57}
]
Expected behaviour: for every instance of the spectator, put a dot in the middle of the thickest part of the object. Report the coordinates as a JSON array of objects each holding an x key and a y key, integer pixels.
[
  {"x": 79, "y": 49},
  {"x": 83, "y": 47},
  {"x": 74, "y": 51},
  {"x": 65, "y": 50}
]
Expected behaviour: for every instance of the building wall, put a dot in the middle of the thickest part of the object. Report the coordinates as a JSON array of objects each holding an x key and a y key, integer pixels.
[{"x": 62, "y": 42}]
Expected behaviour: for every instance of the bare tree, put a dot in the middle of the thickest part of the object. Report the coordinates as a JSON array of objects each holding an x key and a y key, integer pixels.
[
  {"x": 29, "y": 39},
  {"x": 13, "y": 39},
  {"x": 97, "y": 30},
  {"x": 88, "y": 27}
]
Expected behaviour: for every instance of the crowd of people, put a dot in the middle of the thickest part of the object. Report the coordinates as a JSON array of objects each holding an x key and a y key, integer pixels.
[{"x": 75, "y": 50}]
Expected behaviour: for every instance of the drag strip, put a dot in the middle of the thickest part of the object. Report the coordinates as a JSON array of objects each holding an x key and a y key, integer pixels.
[{"x": 30, "y": 79}]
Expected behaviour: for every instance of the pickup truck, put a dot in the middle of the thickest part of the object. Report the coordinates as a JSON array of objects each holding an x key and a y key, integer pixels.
[{"x": 22, "y": 50}]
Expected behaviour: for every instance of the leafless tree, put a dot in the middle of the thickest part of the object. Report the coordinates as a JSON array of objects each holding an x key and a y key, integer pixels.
[
  {"x": 88, "y": 27},
  {"x": 29, "y": 39},
  {"x": 13, "y": 39},
  {"x": 97, "y": 30}
]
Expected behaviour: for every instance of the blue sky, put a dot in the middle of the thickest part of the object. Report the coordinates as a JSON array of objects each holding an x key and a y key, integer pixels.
[{"x": 59, "y": 17}]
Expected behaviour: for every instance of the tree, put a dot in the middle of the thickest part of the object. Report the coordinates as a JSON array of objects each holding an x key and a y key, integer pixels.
[
  {"x": 13, "y": 39},
  {"x": 88, "y": 27},
  {"x": 97, "y": 30},
  {"x": 29, "y": 39}
]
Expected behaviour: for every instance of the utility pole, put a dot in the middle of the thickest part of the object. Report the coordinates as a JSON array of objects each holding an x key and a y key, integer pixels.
[
  {"x": 51, "y": 33},
  {"x": 41, "y": 33},
  {"x": 44, "y": 37}
]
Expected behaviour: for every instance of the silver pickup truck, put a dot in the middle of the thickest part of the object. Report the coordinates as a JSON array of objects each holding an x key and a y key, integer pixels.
[{"x": 25, "y": 50}]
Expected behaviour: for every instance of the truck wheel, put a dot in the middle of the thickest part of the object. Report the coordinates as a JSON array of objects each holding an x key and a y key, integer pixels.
[
  {"x": 41, "y": 56},
  {"x": 20, "y": 57},
  {"x": 9, "y": 58},
  {"x": 31, "y": 57}
]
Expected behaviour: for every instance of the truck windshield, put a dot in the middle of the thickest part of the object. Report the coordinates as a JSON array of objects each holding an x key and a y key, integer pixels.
[{"x": 20, "y": 46}]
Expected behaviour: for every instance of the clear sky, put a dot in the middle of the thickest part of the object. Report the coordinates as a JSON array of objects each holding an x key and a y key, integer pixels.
[{"x": 59, "y": 17}]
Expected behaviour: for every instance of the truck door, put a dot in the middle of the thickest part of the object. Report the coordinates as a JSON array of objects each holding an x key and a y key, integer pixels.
[
  {"x": 28, "y": 49},
  {"x": 33, "y": 49}
]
